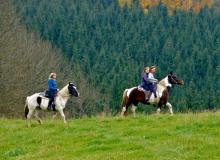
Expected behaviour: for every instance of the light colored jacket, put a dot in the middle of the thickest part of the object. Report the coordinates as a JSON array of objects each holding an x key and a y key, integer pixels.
[{"x": 151, "y": 78}]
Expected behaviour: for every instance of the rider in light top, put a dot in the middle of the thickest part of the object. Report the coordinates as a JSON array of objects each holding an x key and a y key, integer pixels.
[
  {"x": 52, "y": 89},
  {"x": 152, "y": 81}
]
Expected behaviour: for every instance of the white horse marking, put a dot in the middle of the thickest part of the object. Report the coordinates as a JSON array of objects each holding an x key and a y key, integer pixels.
[
  {"x": 133, "y": 108},
  {"x": 129, "y": 91},
  {"x": 123, "y": 111},
  {"x": 170, "y": 108},
  {"x": 158, "y": 110}
]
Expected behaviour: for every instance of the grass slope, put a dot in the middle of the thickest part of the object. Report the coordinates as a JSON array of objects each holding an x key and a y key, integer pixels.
[{"x": 156, "y": 137}]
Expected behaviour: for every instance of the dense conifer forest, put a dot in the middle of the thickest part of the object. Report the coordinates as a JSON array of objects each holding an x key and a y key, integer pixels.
[{"x": 110, "y": 44}]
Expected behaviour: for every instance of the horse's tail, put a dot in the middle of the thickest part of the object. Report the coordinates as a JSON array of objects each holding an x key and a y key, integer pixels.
[
  {"x": 26, "y": 109},
  {"x": 124, "y": 98}
]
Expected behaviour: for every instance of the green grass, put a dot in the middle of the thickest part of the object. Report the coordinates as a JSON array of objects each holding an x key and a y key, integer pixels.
[{"x": 156, "y": 137}]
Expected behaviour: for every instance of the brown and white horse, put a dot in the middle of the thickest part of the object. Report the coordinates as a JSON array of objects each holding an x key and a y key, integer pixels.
[{"x": 135, "y": 95}]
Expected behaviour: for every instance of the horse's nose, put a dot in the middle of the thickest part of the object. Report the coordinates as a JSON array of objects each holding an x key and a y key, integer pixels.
[{"x": 182, "y": 82}]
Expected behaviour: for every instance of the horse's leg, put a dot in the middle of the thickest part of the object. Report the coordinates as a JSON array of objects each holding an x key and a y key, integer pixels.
[
  {"x": 158, "y": 110},
  {"x": 133, "y": 108},
  {"x": 54, "y": 116},
  {"x": 31, "y": 111},
  {"x": 123, "y": 111},
  {"x": 62, "y": 115},
  {"x": 37, "y": 117},
  {"x": 126, "y": 109},
  {"x": 170, "y": 108}
]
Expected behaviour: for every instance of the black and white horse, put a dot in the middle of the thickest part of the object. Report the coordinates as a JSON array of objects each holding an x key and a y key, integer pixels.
[
  {"x": 37, "y": 101},
  {"x": 135, "y": 95}
]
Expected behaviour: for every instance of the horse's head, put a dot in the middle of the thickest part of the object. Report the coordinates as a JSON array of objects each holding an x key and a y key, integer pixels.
[
  {"x": 172, "y": 79},
  {"x": 72, "y": 89}
]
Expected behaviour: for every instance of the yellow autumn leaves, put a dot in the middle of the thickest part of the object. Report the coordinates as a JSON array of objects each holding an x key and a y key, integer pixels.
[{"x": 185, "y": 5}]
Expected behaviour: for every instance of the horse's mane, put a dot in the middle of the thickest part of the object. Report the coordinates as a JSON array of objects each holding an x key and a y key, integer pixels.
[
  {"x": 164, "y": 82},
  {"x": 64, "y": 91}
]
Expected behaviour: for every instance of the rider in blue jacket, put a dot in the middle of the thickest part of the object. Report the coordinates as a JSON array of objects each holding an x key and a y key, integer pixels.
[
  {"x": 52, "y": 89},
  {"x": 145, "y": 81}
]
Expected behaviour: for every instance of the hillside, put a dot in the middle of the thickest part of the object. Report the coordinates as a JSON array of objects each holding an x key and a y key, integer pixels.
[
  {"x": 112, "y": 44},
  {"x": 26, "y": 61},
  {"x": 182, "y": 137}
]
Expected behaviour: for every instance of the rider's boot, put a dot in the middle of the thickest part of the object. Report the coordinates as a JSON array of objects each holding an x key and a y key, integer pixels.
[
  {"x": 53, "y": 106},
  {"x": 50, "y": 104}
]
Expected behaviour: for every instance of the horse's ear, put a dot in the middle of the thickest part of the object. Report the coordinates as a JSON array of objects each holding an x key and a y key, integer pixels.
[
  {"x": 171, "y": 73},
  {"x": 70, "y": 83}
]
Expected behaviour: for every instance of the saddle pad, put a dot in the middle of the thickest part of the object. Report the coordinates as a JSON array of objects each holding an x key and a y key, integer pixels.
[
  {"x": 44, "y": 101},
  {"x": 140, "y": 88},
  {"x": 42, "y": 94}
]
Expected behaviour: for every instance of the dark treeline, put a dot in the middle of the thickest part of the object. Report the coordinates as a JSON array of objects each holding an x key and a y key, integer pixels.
[{"x": 112, "y": 45}]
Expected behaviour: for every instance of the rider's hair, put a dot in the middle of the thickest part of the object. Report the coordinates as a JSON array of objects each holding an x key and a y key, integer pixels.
[
  {"x": 153, "y": 67},
  {"x": 145, "y": 68},
  {"x": 51, "y": 75}
]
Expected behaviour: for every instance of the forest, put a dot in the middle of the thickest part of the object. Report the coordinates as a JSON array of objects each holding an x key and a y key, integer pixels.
[{"x": 110, "y": 42}]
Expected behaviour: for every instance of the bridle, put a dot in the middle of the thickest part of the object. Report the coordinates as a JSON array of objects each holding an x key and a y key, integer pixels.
[{"x": 173, "y": 79}]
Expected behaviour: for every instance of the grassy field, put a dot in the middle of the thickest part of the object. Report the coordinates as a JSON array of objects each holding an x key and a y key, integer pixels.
[{"x": 156, "y": 137}]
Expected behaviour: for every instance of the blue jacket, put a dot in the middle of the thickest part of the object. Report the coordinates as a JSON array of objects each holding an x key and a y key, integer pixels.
[
  {"x": 52, "y": 86},
  {"x": 144, "y": 81}
]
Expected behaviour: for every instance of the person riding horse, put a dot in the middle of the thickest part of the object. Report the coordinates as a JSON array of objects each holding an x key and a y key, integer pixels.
[
  {"x": 37, "y": 101},
  {"x": 148, "y": 82},
  {"x": 145, "y": 81},
  {"x": 152, "y": 81},
  {"x": 52, "y": 90},
  {"x": 133, "y": 96}
]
